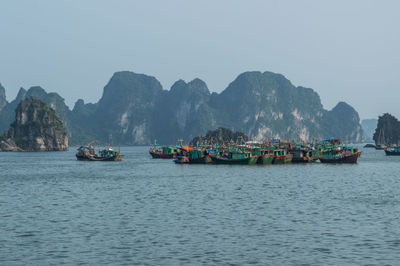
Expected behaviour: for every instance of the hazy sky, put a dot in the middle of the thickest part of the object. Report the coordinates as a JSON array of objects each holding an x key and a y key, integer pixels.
[{"x": 345, "y": 50}]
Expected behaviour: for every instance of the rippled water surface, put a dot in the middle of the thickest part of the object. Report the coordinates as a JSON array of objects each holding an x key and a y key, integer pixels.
[{"x": 56, "y": 210}]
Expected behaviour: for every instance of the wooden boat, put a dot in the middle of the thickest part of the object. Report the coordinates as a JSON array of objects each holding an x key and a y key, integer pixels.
[
  {"x": 392, "y": 151},
  {"x": 225, "y": 160},
  {"x": 350, "y": 158},
  {"x": 181, "y": 159},
  {"x": 234, "y": 156},
  {"x": 266, "y": 159},
  {"x": 340, "y": 155},
  {"x": 301, "y": 155},
  {"x": 369, "y": 145},
  {"x": 193, "y": 156},
  {"x": 87, "y": 153},
  {"x": 199, "y": 156},
  {"x": 264, "y": 155},
  {"x": 281, "y": 156},
  {"x": 166, "y": 152}
]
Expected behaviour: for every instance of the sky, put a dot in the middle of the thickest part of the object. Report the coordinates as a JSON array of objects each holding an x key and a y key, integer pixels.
[{"x": 344, "y": 50}]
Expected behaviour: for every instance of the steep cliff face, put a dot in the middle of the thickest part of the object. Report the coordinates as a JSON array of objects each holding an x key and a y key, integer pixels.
[
  {"x": 387, "y": 131},
  {"x": 342, "y": 122},
  {"x": 125, "y": 109},
  {"x": 83, "y": 127},
  {"x": 182, "y": 112},
  {"x": 3, "y": 101},
  {"x": 36, "y": 128},
  {"x": 268, "y": 105}
]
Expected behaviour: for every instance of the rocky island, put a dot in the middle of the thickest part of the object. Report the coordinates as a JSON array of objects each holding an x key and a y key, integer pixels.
[
  {"x": 36, "y": 128},
  {"x": 387, "y": 131}
]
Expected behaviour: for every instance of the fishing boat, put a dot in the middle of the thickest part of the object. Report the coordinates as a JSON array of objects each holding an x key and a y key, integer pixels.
[
  {"x": 235, "y": 156},
  {"x": 264, "y": 156},
  {"x": 193, "y": 155},
  {"x": 165, "y": 152},
  {"x": 338, "y": 154},
  {"x": 281, "y": 156},
  {"x": 303, "y": 155},
  {"x": 394, "y": 151},
  {"x": 87, "y": 153},
  {"x": 199, "y": 156},
  {"x": 380, "y": 143}
]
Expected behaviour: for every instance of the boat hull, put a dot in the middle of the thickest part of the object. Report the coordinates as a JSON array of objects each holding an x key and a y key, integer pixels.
[
  {"x": 392, "y": 153},
  {"x": 304, "y": 160},
  {"x": 352, "y": 158},
  {"x": 203, "y": 160},
  {"x": 283, "y": 159},
  {"x": 99, "y": 159},
  {"x": 181, "y": 160},
  {"x": 266, "y": 159},
  {"x": 188, "y": 160},
  {"x": 244, "y": 161},
  {"x": 158, "y": 155}
]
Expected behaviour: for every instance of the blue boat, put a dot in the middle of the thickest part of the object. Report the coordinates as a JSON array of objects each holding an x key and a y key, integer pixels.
[{"x": 392, "y": 151}]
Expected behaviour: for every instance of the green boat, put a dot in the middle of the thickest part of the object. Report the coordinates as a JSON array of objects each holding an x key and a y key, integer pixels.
[
  {"x": 234, "y": 157},
  {"x": 281, "y": 156},
  {"x": 264, "y": 156},
  {"x": 193, "y": 156}
]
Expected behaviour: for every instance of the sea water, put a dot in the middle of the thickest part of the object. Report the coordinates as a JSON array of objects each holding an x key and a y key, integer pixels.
[{"x": 57, "y": 210}]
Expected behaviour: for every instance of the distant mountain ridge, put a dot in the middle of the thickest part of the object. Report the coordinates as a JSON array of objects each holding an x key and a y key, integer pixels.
[{"x": 134, "y": 110}]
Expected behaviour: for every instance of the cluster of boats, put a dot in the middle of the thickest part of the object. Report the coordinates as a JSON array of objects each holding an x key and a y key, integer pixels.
[{"x": 328, "y": 151}]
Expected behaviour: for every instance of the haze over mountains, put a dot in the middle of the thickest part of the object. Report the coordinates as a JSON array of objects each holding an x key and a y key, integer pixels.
[{"x": 134, "y": 110}]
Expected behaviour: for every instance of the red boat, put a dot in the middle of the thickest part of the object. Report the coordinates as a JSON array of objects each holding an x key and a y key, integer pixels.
[
  {"x": 344, "y": 158},
  {"x": 339, "y": 154}
]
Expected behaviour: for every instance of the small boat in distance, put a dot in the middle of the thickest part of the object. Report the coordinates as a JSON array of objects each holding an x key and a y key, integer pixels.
[
  {"x": 394, "y": 151},
  {"x": 369, "y": 145},
  {"x": 164, "y": 152},
  {"x": 87, "y": 153}
]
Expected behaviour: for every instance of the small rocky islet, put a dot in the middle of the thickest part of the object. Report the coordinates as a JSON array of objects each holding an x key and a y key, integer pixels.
[{"x": 36, "y": 128}]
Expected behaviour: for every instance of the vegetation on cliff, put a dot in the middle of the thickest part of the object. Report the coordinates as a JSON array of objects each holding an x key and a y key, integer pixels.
[
  {"x": 36, "y": 128},
  {"x": 219, "y": 136},
  {"x": 387, "y": 131}
]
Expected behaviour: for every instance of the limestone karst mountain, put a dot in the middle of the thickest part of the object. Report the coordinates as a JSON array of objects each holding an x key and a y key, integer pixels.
[
  {"x": 387, "y": 131},
  {"x": 134, "y": 110}
]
